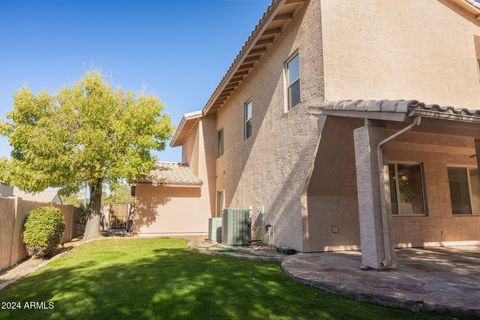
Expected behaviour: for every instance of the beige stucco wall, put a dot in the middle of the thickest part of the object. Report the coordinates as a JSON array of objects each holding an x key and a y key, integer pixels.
[
  {"x": 199, "y": 152},
  {"x": 439, "y": 227},
  {"x": 297, "y": 174},
  {"x": 383, "y": 50},
  {"x": 333, "y": 212},
  {"x": 190, "y": 148},
  {"x": 409, "y": 49},
  {"x": 207, "y": 161},
  {"x": 332, "y": 221},
  {"x": 169, "y": 210},
  {"x": 177, "y": 210},
  {"x": 268, "y": 171}
]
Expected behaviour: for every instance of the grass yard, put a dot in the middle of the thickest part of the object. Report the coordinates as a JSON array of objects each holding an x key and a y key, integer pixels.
[{"x": 159, "y": 278}]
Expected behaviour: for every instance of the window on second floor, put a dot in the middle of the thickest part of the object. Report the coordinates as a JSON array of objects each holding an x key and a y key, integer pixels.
[
  {"x": 219, "y": 143},
  {"x": 248, "y": 113},
  {"x": 464, "y": 186},
  {"x": 407, "y": 192},
  {"x": 292, "y": 77}
]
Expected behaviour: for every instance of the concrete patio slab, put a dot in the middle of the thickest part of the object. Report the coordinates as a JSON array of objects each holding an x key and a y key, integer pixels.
[
  {"x": 439, "y": 279},
  {"x": 253, "y": 252}
]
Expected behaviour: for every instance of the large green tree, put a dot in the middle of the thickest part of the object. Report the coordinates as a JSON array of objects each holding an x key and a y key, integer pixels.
[{"x": 87, "y": 134}]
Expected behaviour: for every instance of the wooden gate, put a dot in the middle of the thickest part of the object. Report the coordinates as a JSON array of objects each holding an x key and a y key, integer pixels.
[{"x": 119, "y": 216}]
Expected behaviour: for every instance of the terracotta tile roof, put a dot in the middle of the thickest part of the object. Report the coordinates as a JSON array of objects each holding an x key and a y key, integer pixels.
[
  {"x": 188, "y": 122},
  {"x": 173, "y": 173},
  {"x": 273, "y": 22},
  {"x": 412, "y": 107}
]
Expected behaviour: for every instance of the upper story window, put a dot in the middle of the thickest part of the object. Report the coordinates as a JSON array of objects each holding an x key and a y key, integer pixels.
[
  {"x": 292, "y": 77},
  {"x": 219, "y": 143},
  {"x": 248, "y": 113},
  {"x": 464, "y": 186},
  {"x": 407, "y": 192}
]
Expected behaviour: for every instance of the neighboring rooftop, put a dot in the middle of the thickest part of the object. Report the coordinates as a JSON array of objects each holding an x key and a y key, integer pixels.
[
  {"x": 173, "y": 173},
  {"x": 46, "y": 196}
]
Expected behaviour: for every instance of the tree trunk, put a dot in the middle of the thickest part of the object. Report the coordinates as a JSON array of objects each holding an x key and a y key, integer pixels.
[{"x": 92, "y": 228}]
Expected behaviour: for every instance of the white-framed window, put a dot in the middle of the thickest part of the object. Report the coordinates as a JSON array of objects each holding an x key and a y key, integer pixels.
[
  {"x": 464, "y": 184},
  {"x": 248, "y": 113},
  {"x": 220, "y": 203},
  {"x": 407, "y": 189},
  {"x": 220, "y": 139},
  {"x": 292, "y": 80}
]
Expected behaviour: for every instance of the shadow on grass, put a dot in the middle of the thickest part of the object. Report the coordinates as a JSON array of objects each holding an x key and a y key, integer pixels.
[{"x": 171, "y": 283}]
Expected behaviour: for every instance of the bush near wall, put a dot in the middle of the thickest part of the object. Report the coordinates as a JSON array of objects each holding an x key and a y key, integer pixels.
[{"x": 43, "y": 233}]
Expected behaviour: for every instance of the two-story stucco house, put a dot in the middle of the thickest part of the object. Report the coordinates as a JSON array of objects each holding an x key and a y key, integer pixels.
[{"x": 344, "y": 125}]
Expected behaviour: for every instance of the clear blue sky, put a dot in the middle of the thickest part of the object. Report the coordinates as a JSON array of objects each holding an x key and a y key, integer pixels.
[{"x": 178, "y": 49}]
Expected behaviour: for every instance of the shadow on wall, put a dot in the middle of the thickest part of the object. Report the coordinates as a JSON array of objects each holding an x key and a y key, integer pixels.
[
  {"x": 150, "y": 200},
  {"x": 268, "y": 113},
  {"x": 332, "y": 218},
  {"x": 274, "y": 164},
  {"x": 287, "y": 199}
]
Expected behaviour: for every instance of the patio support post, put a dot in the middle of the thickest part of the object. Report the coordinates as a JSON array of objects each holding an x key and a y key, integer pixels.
[{"x": 372, "y": 237}]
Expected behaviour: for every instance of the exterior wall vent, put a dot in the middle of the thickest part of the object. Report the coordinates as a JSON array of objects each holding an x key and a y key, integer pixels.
[
  {"x": 236, "y": 227},
  {"x": 215, "y": 229}
]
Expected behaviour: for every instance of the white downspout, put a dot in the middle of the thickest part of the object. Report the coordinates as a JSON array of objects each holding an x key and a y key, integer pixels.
[{"x": 385, "y": 229}]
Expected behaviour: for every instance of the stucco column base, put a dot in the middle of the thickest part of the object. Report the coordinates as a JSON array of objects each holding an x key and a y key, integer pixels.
[{"x": 366, "y": 139}]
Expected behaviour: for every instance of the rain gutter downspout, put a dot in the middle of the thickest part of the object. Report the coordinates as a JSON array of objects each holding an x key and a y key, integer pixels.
[{"x": 385, "y": 228}]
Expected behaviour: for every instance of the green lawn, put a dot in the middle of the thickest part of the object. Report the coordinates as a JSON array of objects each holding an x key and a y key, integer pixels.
[{"x": 159, "y": 278}]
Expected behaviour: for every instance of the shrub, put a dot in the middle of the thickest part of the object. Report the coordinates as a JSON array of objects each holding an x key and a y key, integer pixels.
[{"x": 43, "y": 231}]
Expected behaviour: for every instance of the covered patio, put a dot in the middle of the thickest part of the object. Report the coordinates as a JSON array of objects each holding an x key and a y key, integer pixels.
[
  {"x": 415, "y": 169},
  {"x": 438, "y": 279}
]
